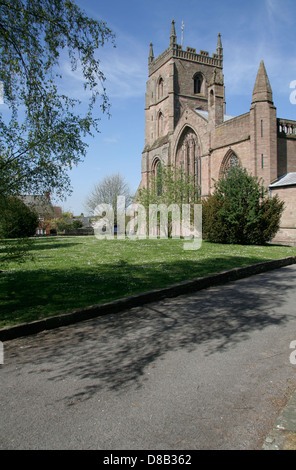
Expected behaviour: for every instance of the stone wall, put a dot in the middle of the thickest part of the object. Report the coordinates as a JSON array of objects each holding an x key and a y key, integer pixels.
[
  {"x": 286, "y": 155},
  {"x": 287, "y": 232}
]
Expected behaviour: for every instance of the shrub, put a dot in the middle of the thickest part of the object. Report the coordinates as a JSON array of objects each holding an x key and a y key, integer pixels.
[
  {"x": 240, "y": 211},
  {"x": 17, "y": 220},
  {"x": 213, "y": 226}
]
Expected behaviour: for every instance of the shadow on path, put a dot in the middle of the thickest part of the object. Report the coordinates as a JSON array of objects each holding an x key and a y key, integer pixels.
[{"x": 112, "y": 352}]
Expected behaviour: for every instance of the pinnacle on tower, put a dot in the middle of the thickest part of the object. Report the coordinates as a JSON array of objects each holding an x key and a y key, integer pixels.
[
  {"x": 219, "y": 45},
  {"x": 173, "y": 37},
  {"x": 262, "y": 89},
  {"x": 151, "y": 54}
]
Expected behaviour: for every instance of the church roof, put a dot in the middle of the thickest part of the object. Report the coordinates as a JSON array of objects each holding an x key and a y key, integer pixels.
[
  {"x": 287, "y": 180},
  {"x": 205, "y": 115}
]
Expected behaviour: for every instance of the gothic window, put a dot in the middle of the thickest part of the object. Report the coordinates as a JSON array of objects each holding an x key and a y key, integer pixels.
[
  {"x": 211, "y": 98},
  {"x": 157, "y": 173},
  {"x": 187, "y": 151},
  {"x": 188, "y": 159},
  {"x": 160, "y": 124},
  {"x": 158, "y": 179},
  {"x": 198, "y": 83},
  {"x": 230, "y": 160},
  {"x": 160, "y": 88}
]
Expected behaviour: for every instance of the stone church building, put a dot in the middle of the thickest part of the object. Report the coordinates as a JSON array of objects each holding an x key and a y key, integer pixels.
[{"x": 186, "y": 125}]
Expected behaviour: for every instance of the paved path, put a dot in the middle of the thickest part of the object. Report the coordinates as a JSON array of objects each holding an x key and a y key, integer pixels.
[{"x": 209, "y": 370}]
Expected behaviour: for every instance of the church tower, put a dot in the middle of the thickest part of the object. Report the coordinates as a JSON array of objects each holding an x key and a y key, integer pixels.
[
  {"x": 179, "y": 80},
  {"x": 186, "y": 127}
]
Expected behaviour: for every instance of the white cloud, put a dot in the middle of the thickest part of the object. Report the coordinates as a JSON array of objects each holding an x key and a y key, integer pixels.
[
  {"x": 112, "y": 139},
  {"x": 240, "y": 68},
  {"x": 126, "y": 75},
  {"x": 279, "y": 12},
  {"x": 124, "y": 67}
]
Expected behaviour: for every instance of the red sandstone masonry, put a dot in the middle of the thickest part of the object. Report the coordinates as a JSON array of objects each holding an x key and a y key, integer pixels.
[
  {"x": 232, "y": 131},
  {"x": 253, "y": 137}
]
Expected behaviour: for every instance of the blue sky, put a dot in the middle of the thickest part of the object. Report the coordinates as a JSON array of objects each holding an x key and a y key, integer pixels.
[{"x": 251, "y": 31}]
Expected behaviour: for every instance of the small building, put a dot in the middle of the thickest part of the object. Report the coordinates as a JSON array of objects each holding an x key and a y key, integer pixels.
[
  {"x": 285, "y": 188},
  {"x": 45, "y": 210}
]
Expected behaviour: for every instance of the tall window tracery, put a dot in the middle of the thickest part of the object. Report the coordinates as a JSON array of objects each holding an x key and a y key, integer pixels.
[
  {"x": 157, "y": 174},
  {"x": 230, "y": 160},
  {"x": 187, "y": 155}
]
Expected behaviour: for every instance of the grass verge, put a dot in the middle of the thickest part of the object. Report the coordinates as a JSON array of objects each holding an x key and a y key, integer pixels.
[{"x": 66, "y": 273}]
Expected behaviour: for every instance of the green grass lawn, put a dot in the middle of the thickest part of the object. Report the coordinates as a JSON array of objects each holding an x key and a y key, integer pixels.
[{"x": 71, "y": 272}]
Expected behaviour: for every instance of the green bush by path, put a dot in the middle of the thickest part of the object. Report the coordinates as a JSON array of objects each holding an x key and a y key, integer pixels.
[
  {"x": 241, "y": 211},
  {"x": 72, "y": 272}
]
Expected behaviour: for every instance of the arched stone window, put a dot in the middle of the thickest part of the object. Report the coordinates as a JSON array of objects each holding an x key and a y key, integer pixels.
[
  {"x": 157, "y": 174},
  {"x": 158, "y": 179},
  {"x": 198, "y": 172},
  {"x": 198, "y": 84},
  {"x": 188, "y": 152},
  {"x": 160, "y": 88},
  {"x": 160, "y": 124},
  {"x": 230, "y": 160},
  {"x": 211, "y": 98}
]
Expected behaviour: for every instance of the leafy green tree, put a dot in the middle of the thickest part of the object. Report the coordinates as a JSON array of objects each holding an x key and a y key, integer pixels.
[
  {"x": 43, "y": 131},
  {"x": 17, "y": 219},
  {"x": 240, "y": 210},
  {"x": 169, "y": 186},
  {"x": 77, "y": 224},
  {"x": 62, "y": 223}
]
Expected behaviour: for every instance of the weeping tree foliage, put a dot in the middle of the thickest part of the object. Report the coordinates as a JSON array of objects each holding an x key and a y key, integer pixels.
[
  {"x": 43, "y": 130},
  {"x": 169, "y": 186},
  {"x": 240, "y": 210}
]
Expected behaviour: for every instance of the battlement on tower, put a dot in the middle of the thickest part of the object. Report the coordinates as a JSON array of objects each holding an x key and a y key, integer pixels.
[
  {"x": 176, "y": 51},
  {"x": 189, "y": 54}
]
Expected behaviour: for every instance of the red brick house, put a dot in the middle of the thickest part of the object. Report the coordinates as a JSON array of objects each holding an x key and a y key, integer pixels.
[{"x": 45, "y": 210}]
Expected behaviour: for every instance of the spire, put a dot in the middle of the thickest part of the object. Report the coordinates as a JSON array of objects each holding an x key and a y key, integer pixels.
[
  {"x": 173, "y": 37},
  {"x": 151, "y": 54},
  {"x": 219, "y": 43},
  {"x": 219, "y": 46},
  {"x": 262, "y": 89}
]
